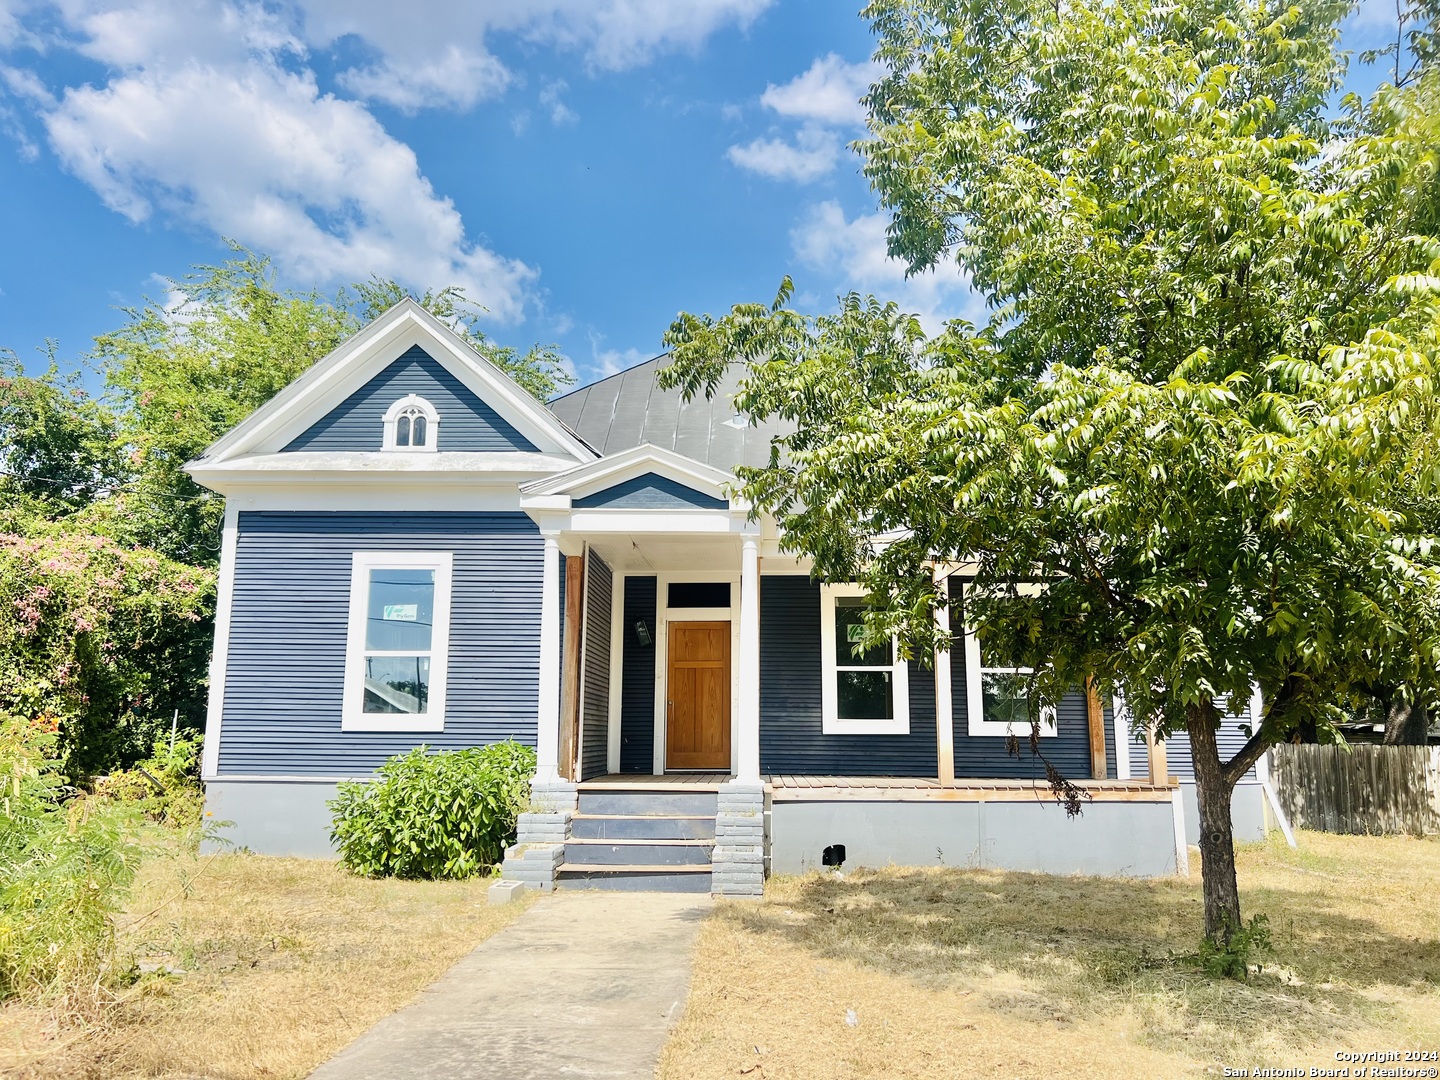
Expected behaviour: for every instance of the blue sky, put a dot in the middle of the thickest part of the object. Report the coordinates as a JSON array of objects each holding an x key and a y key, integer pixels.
[{"x": 586, "y": 168}]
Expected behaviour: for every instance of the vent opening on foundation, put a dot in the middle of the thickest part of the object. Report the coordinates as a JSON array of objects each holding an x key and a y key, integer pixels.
[{"x": 834, "y": 855}]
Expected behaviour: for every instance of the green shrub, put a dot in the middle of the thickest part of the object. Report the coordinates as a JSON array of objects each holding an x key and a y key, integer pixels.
[
  {"x": 66, "y": 863},
  {"x": 1233, "y": 959},
  {"x": 441, "y": 815},
  {"x": 165, "y": 786}
]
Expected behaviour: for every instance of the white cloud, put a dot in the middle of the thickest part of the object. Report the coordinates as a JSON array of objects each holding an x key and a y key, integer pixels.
[
  {"x": 824, "y": 97},
  {"x": 308, "y": 178},
  {"x": 827, "y": 92},
  {"x": 451, "y": 77},
  {"x": 551, "y": 98},
  {"x": 853, "y": 255},
  {"x": 213, "y": 117},
  {"x": 812, "y": 156},
  {"x": 619, "y": 34}
]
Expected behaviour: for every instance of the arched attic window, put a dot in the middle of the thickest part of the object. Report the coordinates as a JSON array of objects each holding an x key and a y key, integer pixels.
[{"x": 411, "y": 423}]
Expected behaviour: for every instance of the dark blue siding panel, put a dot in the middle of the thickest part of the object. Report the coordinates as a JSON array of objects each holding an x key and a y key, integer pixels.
[
  {"x": 285, "y": 671},
  {"x": 637, "y": 691},
  {"x": 792, "y": 739},
  {"x": 984, "y": 755},
  {"x": 649, "y": 492},
  {"x": 466, "y": 422},
  {"x": 595, "y": 718}
]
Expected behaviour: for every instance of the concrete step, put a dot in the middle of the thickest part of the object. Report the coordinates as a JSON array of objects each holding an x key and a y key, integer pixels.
[
  {"x": 641, "y": 827},
  {"x": 623, "y": 803},
  {"x": 625, "y": 877},
  {"x": 648, "y": 852}
]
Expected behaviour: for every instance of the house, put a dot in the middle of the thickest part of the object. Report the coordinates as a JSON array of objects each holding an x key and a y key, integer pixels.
[{"x": 416, "y": 551}]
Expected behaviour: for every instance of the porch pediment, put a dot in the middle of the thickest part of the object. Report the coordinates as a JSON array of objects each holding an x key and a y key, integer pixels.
[{"x": 644, "y": 479}]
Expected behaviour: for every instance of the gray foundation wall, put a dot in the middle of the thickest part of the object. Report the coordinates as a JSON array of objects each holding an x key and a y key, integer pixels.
[
  {"x": 1133, "y": 839},
  {"x": 288, "y": 818},
  {"x": 1247, "y": 811}
]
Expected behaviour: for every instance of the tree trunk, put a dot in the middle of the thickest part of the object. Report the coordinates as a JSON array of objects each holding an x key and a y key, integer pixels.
[
  {"x": 1407, "y": 723},
  {"x": 1217, "y": 834}
]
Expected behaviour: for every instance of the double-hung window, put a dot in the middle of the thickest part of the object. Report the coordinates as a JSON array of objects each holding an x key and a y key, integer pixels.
[
  {"x": 865, "y": 693},
  {"x": 996, "y": 696},
  {"x": 398, "y": 645}
]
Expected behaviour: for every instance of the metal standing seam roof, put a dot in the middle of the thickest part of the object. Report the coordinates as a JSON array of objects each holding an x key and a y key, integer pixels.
[{"x": 627, "y": 409}]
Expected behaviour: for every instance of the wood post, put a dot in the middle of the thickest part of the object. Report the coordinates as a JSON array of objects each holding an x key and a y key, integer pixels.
[
  {"x": 1155, "y": 753},
  {"x": 944, "y": 698},
  {"x": 570, "y": 669},
  {"x": 1095, "y": 709}
]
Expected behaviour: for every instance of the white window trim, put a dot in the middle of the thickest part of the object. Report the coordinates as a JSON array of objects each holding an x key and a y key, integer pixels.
[
  {"x": 976, "y": 724},
  {"x": 432, "y": 425},
  {"x": 831, "y": 724},
  {"x": 353, "y": 715}
]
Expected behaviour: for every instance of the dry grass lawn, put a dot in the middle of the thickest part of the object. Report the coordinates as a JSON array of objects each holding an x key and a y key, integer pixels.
[
  {"x": 281, "y": 963},
  {"x": 954, "y": 973}
]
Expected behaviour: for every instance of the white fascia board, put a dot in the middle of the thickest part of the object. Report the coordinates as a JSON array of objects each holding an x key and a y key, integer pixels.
[
  {"x": 408, "y": 497},
  {"x": 364, "y": 355},
  {"x": 708, "y": 522},
  {"x": 617, "y": 468},
  {"x": 517, "y": 466}
]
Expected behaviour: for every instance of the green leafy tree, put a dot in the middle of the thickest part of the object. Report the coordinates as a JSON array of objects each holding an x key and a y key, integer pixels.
[
  {"x": 1203, "y": 412},
  {"x": 58, "y": 446}
]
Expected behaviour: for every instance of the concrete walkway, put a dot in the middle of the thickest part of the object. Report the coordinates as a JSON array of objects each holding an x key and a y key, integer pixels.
[{"x": 584, "y": 984}]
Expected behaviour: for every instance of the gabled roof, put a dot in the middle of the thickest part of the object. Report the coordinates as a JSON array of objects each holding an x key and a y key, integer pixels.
[
  {"x": 627, "y": 410},
  {"x": 362, "y": 356}
]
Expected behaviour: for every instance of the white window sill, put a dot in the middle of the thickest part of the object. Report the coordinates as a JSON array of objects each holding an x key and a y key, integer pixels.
[
  {"x": 392, "y": 722},
  {"x": 866, "y": 727},
  {"x": 1001, "y": 729}
]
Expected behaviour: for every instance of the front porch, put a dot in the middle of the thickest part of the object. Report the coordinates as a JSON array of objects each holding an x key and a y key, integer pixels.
[{"x": 704, "y": 717}]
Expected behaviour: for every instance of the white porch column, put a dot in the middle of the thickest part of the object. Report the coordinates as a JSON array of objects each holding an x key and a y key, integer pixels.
[
  {"x": 547, "y": 731},
  {"x": 747, "y": 755}
]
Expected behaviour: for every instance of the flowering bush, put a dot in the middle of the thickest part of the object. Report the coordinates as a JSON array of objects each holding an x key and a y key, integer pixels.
[{"x": 99, "y": 636}]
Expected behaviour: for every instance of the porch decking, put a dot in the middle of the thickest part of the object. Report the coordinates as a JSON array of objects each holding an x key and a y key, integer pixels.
[{"x": 794, "y": 788}]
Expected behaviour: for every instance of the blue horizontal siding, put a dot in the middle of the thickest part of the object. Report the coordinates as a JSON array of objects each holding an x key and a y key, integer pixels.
[
  {"x": 637, "y": 675},
  {"x": 649, "y": 492},
  {"x": 285, "y": 670},
  {"x": 792, "y": 738},
  {"x": 467, "y": 424},
  {"x": 984, "y": 755},
  {"x": 1229, "y": 739}
]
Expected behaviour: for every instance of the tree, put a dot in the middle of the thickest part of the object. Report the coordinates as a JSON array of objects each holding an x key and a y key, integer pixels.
[
  {"x": 57, "y": 444},
  {"x": 1203, "y": 409}
]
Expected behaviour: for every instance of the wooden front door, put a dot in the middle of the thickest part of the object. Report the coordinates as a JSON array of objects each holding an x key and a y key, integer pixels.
[{"x": 697, "y": 713}]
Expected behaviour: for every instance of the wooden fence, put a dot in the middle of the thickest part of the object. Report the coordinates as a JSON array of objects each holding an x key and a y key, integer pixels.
[{"x": 1362, "y": 788}]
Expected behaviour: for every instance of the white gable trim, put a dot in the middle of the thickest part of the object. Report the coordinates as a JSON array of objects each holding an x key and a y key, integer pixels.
[
  {"x": 360, "y": 358},
  {"x": 628, "y": 465}
]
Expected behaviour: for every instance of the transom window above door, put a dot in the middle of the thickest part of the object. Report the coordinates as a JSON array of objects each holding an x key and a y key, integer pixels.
[
  {"x": 698, "y": 594},
  {"x": 862, "y": 693}
]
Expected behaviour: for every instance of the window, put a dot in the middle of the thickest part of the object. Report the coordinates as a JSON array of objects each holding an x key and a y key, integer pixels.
[
  {"x": 996, "y": 701},
  {"x": 411, "y": 423},
  {"x": 398, "y": 644},
  {"x": 865, "y": 694}
]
